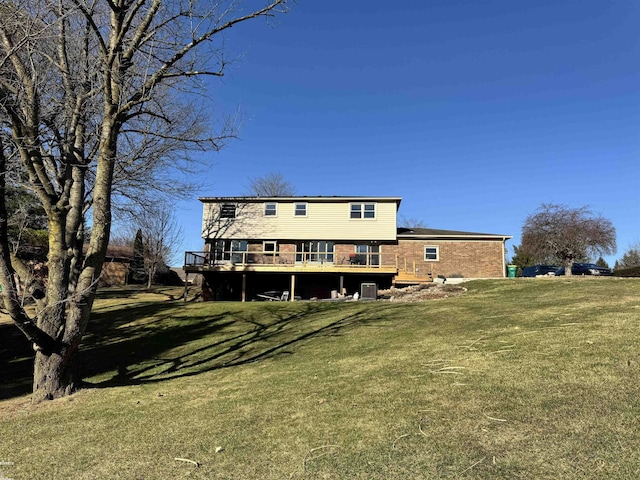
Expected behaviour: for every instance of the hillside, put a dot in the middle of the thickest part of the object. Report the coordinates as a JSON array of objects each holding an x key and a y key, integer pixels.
[{"x": 514, "y": 378}]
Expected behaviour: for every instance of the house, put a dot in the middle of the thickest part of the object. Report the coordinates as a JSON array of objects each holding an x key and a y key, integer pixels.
[
  {"x": 322, "y": 247},
  {"x": 115, "y": 270}
]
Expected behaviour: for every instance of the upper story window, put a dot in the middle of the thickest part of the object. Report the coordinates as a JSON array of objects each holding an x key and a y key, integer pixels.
[
  {"x": 431, "y": 253},
  {"x": 363, "y": 210},
  {"x": 228, "y": 210},
  {"x": 300, "y": 210},
  {"x": 270, "y": 209}
]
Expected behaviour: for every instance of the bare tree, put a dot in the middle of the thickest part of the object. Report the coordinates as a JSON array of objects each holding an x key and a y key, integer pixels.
[
  {"x": 93, "y": 105},
  {"x": 410, "y": 222},
  {"x": 567, "y": 234},
  {"x": 161, "y": 237},
  {"x": 271, "y": 185},
  {"x": 631, "y": 257}
]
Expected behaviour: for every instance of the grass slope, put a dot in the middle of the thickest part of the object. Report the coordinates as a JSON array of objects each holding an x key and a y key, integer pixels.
[{"x": 515, "y": 379}]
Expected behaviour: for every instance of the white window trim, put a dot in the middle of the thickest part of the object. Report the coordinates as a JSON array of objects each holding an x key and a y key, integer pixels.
[
  {"x": 305, "y": 254},
  {"x": 264, "y": 211},
  {"x": 227, "y": 250},
  {"x": 306, "y": 209},
  {"x": 228, "y": 206},
  {"x": 437, "y": 249},
  {"x": 270, "y": 242},
  {"x": 362, "y": 210},
  {"x": 370, "y": 253}
]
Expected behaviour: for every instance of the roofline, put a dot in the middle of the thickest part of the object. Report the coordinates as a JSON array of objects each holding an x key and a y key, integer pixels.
[
  {"x": 256, "y": 199},
  {"x": 456, "y": 236},
  {"x": 432, "y": 233},
  {"x": 299, "y": 197}
]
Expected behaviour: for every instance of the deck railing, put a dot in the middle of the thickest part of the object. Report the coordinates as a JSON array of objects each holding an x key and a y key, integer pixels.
[{"x": 284, "y": 259}]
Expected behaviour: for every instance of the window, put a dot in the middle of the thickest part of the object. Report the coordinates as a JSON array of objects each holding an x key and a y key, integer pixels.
[
  {"x": 270, "y": 209},
  {"x": 363, "y": 210},
  {"x": 366, "y": 255},
  {"x": 270, "y": 247},
  {"x": 228, "y": 210},
  {"x": 315, "y": 252},
  {"x": 231, "y": 250},
  {"x": 431, "y": 253},
  {"x": 300, "y": 210}
]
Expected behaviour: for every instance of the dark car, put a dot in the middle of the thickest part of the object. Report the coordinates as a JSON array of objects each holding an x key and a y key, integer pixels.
[
  {"x": 586, "y": 269},
  {"x": 536, "y": 270}
]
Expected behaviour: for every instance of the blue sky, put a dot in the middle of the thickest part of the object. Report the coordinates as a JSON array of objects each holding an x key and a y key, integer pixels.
[{"x": 474, "y": 112}]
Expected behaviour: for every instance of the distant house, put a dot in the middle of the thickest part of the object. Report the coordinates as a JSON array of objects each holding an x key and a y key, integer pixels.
[
  {"x": 115, "y": 270},
  {"x": 317, "y": 247}
]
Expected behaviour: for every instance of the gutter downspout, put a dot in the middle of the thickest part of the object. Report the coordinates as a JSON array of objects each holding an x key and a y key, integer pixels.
[{"x": 504, "y": 257}]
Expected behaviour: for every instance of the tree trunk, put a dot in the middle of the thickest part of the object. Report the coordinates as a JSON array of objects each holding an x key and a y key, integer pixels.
[
  {"x": 72, "y": 76},
  {"x": 567, "y": 269},
  {"x": 152, "y": 273},
  {"x": 68, "y": 306},
  {"x": 55, "y": 375}
]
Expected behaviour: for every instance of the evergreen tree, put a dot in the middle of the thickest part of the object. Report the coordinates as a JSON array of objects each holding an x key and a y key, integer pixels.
[
  {"x": 27, "y": 221},
  {"x": 137, "y": 271},
  {"x": 521, "y": 257}
]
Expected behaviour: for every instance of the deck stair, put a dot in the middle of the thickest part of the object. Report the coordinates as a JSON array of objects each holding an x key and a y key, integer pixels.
[
  {"x": 411, "y": 273},
  {"x": 407, "y": 278}
]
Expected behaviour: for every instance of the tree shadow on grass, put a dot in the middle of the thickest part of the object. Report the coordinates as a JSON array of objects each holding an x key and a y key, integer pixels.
[
  {"x": 151, "y": 342},
  {"x": 106, "y": 329},
  {"x": 16, "y": 362},
  {"x": 222, "y": 341}
]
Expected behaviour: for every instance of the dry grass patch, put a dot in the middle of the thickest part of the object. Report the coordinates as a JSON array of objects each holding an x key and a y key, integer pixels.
[{"x": 514, "y": 379}]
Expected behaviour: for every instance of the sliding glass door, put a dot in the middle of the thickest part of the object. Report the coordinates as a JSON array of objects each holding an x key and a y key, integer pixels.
[
  {"x": 368, "y": 254},
  {"x": 319, "y": 251},
  {"x": 231, "y": 250}
]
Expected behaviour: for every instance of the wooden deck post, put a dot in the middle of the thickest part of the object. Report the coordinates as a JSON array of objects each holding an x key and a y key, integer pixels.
[
  {"x": 244, "y": 287},
  {"x": 293, "y": 287},
  {"x": 186, "y": 285}
]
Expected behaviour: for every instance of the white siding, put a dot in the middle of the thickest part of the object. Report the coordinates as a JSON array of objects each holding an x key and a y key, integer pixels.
[{"x": 324, "y": 221}]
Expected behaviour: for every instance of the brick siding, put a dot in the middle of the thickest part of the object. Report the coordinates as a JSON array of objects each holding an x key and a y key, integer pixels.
[
  {"x": 466, "y": 258},
  {"x": 470, "y": 259}
]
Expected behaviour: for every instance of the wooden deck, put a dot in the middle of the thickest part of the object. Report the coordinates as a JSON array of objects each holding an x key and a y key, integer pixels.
[
  {"x": 403, "y": 272},
  {"x": 291, "y": 268}
]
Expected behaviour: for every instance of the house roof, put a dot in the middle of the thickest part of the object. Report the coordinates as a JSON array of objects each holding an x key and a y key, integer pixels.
[
  {"x": 405, "y": 232},
  {"x": 117, "y": 253},
  {"x": 302, "y": 198},
  {"x": 120, "y": 252}
]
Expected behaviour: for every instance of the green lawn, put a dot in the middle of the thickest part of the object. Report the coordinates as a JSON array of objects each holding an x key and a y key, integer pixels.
[{"x": 516, "y": 378}]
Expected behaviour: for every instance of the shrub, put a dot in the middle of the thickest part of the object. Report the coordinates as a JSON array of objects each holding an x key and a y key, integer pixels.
[{"x": 627, "y": 272}]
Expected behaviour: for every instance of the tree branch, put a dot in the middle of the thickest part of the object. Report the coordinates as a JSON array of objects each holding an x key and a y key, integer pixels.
[{"x": 7, "y": 279}]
